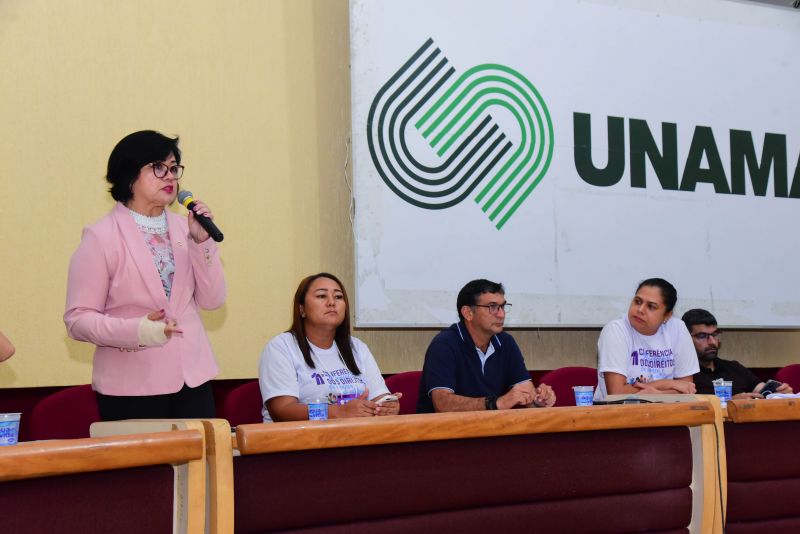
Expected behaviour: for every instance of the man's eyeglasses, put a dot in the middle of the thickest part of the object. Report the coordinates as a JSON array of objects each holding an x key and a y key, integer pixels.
[
  {"x": 703, "y": 336},
  {"x": 494, "y": 307},
  {"x": 160, "y": 169}
]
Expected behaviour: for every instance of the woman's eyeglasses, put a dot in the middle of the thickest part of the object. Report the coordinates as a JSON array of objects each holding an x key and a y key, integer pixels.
[{"x": 160, "y": 169}]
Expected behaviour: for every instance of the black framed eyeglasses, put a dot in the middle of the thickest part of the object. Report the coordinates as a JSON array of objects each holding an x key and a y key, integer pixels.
[
  {"x": 703, "y": 336},
  {"x": 160, "y": 169},
  {"x": 494, "y": 307}
]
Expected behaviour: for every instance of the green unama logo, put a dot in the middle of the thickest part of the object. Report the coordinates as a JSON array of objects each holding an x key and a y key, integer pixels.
[{"x": 434, "y": 141}]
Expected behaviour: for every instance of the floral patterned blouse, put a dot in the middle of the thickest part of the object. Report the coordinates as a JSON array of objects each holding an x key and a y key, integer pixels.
[{"x": 156, "y": 236}]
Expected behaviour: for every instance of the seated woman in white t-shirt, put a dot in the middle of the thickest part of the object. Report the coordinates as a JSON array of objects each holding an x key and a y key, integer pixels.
[
  {"x": 647, "y": 350},
  {"x": 318, "y": 358}
]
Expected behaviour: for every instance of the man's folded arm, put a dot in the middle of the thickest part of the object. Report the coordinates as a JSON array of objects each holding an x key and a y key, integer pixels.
[{"x": 444, "y": 400}]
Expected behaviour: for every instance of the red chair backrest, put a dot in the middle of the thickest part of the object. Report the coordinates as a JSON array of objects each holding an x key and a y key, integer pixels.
[
  {"x": 791, "y": 375},
  {"x": 408, "y": 384},
  {"x": 562, "y": 380},
  {"x": 66, "y": 414},
  {"x": 243, "y": 405}
]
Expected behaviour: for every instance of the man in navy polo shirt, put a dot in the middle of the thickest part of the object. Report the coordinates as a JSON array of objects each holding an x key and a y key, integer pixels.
[{"x": 474, "y": 365}]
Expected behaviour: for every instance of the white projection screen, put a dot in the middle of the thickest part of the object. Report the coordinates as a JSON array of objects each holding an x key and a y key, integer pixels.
[{"x": 570, "y": 149}]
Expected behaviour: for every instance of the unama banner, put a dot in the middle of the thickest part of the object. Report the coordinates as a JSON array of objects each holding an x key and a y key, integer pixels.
[{"x": 570, "y": 149}]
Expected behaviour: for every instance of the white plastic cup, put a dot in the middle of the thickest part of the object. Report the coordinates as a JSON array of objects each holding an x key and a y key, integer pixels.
[
  {"x": 584, "y": 395},
  {"x": 9, "y": 428},
  {"x": 723, "y": 389},
  {"x": 317, "y": 409}
]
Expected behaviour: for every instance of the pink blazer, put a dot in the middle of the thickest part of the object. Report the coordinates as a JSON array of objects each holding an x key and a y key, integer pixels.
[{"x": 113, "y": 282}]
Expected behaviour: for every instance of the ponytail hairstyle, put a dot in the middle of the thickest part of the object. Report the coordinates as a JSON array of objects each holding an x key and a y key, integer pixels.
[{"x": 668, "y": 291}]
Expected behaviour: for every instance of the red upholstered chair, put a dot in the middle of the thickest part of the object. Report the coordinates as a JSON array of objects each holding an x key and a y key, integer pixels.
[
  {"x": 66, "y": 414},
  {"x": 791, "y": 375},
  {"x": 408, "y": 384},
  {"x": 243, "y": 405},
  {"x": 562, "y": 380}
]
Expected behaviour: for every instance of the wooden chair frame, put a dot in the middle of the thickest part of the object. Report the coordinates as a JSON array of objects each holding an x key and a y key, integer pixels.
[{"x": 213, "y": 473}]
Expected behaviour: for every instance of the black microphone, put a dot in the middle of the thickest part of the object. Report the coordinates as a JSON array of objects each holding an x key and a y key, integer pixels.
[{"x": 185, "y": 198}]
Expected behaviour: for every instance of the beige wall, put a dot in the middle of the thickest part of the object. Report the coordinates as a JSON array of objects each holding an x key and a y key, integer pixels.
[{"x": 259, "y": 92}]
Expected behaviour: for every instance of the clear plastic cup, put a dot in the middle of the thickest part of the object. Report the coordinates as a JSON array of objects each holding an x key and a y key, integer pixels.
[
  {"x": 723, "y": 389},
  {"x": 583, "y": 395},
  {"x": 9, "y": 428},
  {"x": 317, "y": 409}
]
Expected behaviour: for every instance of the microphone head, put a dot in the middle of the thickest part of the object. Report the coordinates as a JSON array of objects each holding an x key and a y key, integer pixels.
[{"x": 185, "y": 197}]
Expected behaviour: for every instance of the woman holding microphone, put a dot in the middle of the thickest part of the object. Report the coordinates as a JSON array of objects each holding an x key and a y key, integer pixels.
[{"x": 136, "y": 285}]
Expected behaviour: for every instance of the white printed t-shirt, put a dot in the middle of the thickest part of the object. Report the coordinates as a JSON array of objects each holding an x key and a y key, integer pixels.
[
  {"x": 667, "y": 354},
  {"x": 283, "y": 371}
]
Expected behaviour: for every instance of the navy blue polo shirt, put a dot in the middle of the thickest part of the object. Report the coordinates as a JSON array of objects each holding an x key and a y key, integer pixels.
[{"x": 452, "y": 362}]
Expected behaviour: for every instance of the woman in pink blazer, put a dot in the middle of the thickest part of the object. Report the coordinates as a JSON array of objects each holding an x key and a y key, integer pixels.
[{"x": 136, "y": 284}]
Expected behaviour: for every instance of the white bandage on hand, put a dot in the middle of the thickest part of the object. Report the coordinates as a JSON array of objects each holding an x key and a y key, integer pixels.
[{"x": 151, "y": 332}]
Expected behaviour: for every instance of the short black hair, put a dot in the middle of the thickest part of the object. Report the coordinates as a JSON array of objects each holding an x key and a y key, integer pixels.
[
  {"x": 469, "y": 294},
  {"x": 668, "y": 291},
  {"x": 132, "y": 153},
  {"x": 698, "y": 316}
]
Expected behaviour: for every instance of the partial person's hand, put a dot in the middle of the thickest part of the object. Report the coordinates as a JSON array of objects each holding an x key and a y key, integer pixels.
[
  {"x": 170, "y": 325},
  {"x": 746, "y": 395},
  {"x": 545, "y": 396},
  {"x": 360, "y": 407},
  {"x": 785, "y": 388},
  {"x": 515, "y": 397},
  {"x": 196, "y": 231},
  {"x": 389, "y": 407},
  {"x": 6, "y": 348}
]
